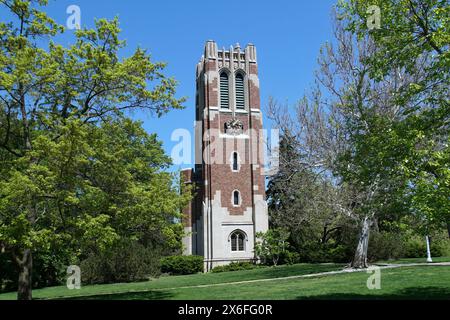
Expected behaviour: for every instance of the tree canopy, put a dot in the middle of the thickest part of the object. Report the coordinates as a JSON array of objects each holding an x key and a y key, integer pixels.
[{"x": 75, "y": 171}]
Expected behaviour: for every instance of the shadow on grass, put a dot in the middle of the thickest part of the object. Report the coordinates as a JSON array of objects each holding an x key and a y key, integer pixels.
[
  {"x": 147, "y": 295},
  {"x": 412, "y": 293}
]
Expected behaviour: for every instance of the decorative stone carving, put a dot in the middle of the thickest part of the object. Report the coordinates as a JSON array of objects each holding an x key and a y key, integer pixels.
[{"x": 234, "y": 127}]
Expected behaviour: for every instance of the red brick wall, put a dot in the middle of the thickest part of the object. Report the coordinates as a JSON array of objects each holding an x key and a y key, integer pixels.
[{"x": 222, "y": 177}]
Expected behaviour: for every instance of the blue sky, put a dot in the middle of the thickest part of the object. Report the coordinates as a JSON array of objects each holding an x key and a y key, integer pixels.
[{"x": 287, "y": 35}]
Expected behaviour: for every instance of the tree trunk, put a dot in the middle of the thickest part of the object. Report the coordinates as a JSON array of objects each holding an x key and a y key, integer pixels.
[
  {"x": 24, "y": 291},
  {"x": 324, "y": 234},
  {"x": 360, "y": 259}
]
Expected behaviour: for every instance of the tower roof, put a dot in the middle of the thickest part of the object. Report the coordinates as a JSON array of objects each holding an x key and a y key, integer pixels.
[{"x": 234, "y": 52}]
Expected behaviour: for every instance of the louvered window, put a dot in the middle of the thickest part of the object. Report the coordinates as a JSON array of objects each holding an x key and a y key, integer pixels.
[
  {"x": 224, "y": 94},
  {"x": 240, "y": 96}
]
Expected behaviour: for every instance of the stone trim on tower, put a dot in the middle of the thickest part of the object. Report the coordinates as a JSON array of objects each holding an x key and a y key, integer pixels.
[{"x": 220, "y": 132}]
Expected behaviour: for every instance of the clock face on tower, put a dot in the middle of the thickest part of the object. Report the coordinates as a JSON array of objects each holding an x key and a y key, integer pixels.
[{"x": 234, "y": 127}]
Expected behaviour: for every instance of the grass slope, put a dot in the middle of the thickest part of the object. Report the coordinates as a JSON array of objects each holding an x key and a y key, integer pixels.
[
  {"x": 180, "y": 281},
  {"x": 422, "y": 282},
  {"x": 425, "y": 282}
]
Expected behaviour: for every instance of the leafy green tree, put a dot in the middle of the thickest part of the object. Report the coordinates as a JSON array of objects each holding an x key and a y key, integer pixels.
[
  {"x": 350, "y": 128},
  {"x": 414, "y": 36},
  {"x": 270, "y": 245},
  {"x": 65, "y": 175},
  {"x": 431, "y": 192},
  {"x": 93, "y": 187}
]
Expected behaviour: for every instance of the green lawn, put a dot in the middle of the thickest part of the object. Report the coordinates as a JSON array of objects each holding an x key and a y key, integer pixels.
[
  {"x": 425, "y": 282},
  {"x": 182, "y": 281},
  {"x": 415, "y": 260},
  {"x": 422, "y": 282}
]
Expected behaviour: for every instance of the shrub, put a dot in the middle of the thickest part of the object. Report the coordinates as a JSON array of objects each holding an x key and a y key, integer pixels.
[
  {"x": 386, "y": 246},
  {"x": 339, "y": 253},
  {"x": 178, "y": 265},
  {"x": 271, "y": 245},
  {"x": 440, "y": 248},
  {"x": 313, "y": 252},
  {"x": 8, "y": 273},
  {"x": 290, "y": 257},
  {"x": 234, "y": 266},
  {"x": 416, "y": 247},
  {"x": 125, "y": 262}
]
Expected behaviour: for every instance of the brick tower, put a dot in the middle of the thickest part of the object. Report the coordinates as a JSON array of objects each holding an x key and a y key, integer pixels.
[{"x": 229, "y": 206}]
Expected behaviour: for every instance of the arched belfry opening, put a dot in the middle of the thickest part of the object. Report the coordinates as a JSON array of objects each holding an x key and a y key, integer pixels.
[
  {"x": 240, "y": 91},
  {"x": 224, "y": 90}
]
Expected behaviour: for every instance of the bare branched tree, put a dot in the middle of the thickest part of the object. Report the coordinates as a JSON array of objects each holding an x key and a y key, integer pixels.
[{"x": 327, "y": 128}]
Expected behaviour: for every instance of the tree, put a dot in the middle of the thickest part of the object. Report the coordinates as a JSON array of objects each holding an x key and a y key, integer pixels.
[
  {"x": 350, "y": 131},
  {"x": 300, "y": 199},
  {"x": 411, "y": 31},
  {"x": 51, "y": 97},
  {"x": 93, "y": 187},
  {"x": 270, "y": 245}
]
